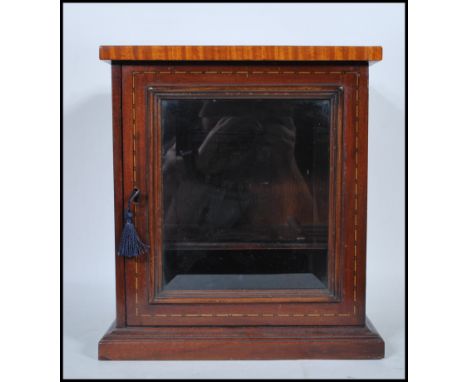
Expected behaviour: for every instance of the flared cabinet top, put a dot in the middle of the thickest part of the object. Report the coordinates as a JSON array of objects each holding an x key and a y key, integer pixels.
[{"x": 240, "y": 53}]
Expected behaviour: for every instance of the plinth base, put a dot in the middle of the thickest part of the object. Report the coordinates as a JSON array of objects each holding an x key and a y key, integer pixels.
[{"x": 241, "y": 343}]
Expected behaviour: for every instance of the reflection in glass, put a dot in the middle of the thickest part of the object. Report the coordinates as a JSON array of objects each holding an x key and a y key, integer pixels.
[{"x": 245, "y": 193}]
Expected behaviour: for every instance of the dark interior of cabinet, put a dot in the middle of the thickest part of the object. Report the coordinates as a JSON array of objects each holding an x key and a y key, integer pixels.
[{"x": 245, "y": 193}]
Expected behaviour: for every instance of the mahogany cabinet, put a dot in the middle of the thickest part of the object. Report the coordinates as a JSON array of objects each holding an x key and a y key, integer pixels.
[{"x": 251, "y": 163}]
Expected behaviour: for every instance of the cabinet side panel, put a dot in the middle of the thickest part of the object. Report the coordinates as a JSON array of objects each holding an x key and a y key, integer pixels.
[
  {"x": 361, "y": 158},
  {"x": 118, "y": 191}
]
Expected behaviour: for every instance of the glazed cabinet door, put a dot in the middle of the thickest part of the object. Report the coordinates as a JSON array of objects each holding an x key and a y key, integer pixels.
[{"x": 253, "y": 193}]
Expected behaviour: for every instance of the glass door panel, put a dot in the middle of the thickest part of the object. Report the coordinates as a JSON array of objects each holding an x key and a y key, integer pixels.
[{"x": 245, "y": 193}]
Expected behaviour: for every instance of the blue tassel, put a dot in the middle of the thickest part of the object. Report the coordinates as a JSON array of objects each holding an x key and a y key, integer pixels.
[{"x": 130, "y": 244}]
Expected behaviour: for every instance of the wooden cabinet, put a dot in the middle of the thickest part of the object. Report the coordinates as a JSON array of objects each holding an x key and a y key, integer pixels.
[{"x": 252, "y": 168}]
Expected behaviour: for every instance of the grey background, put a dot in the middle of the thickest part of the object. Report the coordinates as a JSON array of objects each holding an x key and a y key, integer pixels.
[{"x": 88, "y": 237}]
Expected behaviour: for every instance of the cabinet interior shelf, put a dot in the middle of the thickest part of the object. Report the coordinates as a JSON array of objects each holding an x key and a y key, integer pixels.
[
  {"x": 192, "y": 239},
  {"x": 245, "y": 282},
  {"x": 197, "y": 246}
]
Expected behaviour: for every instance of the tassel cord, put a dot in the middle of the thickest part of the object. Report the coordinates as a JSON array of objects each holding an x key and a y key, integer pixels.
[{"x": 130, "y": 244}]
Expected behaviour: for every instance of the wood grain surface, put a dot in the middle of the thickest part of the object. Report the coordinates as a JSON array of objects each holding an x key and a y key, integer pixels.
[
  {"x": 232, "y": 324},
  {"x": 344, "y": 303},
  {"x": 240, "y": 53},
  {"x": 237, "y": 343}
]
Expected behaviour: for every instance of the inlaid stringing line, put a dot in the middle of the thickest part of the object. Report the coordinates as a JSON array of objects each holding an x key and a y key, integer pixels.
[
  {"x": 355, "y": 195},
  {"x": 235, "y": 72},
  {"x": 134, "y": 129},
  {"x": 247, "y": 315},
  {"x": 136, "y": 288},
  {"x": 134, "y": 180},
  {"x": 356, "y": 162}
]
